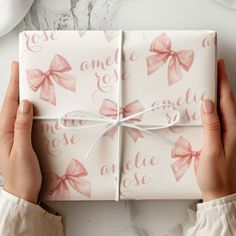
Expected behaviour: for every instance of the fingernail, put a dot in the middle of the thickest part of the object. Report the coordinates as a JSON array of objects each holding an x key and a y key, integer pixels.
[
  {"x": 208, "y": 106},
  {"x": 13, "y": 64},
  {"x": 25, "y": 107},
  {"x": 223, "y": 63}
]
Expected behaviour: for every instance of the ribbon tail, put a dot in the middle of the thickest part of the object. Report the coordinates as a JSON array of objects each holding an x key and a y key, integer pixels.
[
  {"x": 155, "y": 61},
  {"x": 59, "y": 190},
  {"x": 47, "y": 92},
  {"x": 196, "y": 162},
  {"x": 81, "y": 185},
  {"x": 62, "y": 193},
  {"x": 180, "y": 166},
  {"x": 174, "y": 71},
  {"x": 134, "y": 134},
  {"x": 111, "y": 132},
  {"x": 65, "y": 80}
]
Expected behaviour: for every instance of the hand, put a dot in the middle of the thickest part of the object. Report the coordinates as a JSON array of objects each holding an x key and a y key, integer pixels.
[
  {"x": 216, "y": 173},
  {"x": 19, "y": 165}
]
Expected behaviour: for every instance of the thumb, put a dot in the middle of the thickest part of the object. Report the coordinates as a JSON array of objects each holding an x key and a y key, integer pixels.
[
  {"x": 211, "y": 126},
  {"x": 23, "y": 124}
]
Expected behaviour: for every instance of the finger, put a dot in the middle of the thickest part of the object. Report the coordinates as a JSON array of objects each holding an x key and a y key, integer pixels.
[
  {"x": 226, "y": 100},
  {"x": 23, "y": 124},
  {"x": 211, "y": 128},
  {"x": 9, "y": 108}
]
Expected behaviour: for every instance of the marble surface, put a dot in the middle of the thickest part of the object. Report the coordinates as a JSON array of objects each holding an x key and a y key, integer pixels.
[
  {"x": 142, "y": 218},
  {"x": 73, "y": 14},
  {"x": 228, "y": 3}
]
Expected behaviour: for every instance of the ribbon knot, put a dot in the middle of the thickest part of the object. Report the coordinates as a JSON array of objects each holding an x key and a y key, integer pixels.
[
  {"x": 116, "y": 122},
  {"x": 44, "y": 80},
  {"x": 59, "y": 185},
  {"x": 161, "y": 46},
  {"x": 109, "y": 109},
  {"x": 172, "y": 53},
  {"x": 196, "y": 154},
  {"x": 184, "y": 154}
]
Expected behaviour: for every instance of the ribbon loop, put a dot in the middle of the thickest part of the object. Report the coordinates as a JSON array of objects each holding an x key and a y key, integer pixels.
[{"x": 130, "y": 122}]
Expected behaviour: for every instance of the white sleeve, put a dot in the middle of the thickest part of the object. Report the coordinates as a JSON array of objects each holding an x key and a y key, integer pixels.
[
  {"x": 19, "y": 217},
  {"x": 216, "y": 217}
]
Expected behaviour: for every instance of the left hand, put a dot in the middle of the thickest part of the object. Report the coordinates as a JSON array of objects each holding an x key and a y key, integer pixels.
[
  {"x": 19, "y": 164},
  {"x": 216, "y": 171}
]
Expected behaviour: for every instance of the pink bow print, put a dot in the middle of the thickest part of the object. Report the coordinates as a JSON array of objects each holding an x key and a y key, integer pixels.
[
  {"x": 183, "y": 151},
  {"x": 109, "y": 109},
  {"x": 110, "y": 35},
  {"x": 161, "y": 46},
  {"x": 43, "y": 80},
  {"x": 82, "y": 33},
  {"x": 58, "y": 185}
]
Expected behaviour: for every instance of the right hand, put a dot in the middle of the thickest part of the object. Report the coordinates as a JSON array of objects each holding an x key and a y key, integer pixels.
[
  {"x": 18, "y": 162},
  {"x": 216, "y": 172}
]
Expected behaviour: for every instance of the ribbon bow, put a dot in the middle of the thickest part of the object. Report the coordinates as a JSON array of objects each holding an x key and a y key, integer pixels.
[
  {"x": 43, "y": 80},
  {"x": 109, "y": 109},
  {"x": 161, "y": 46},
  {"x": 132, "y": 114},
  {"x": 183, "y": 151},
  {"x": 58, "y": 185}
]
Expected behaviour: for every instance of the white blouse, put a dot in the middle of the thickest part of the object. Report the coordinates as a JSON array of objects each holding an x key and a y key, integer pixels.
[{"x": 19, "y": 217}]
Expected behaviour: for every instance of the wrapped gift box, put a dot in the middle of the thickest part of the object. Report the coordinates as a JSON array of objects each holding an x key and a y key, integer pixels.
[{"x": 117, "y": 113}]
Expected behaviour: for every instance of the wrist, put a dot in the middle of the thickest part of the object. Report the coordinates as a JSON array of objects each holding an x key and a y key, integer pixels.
[
  {"x": 29, "y": 197},
  {"x": 213, "y": 196}
]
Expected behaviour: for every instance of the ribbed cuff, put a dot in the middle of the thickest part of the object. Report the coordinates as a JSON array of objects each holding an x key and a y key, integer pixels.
[
  {"x": 216, "y": 202},
  {"x": 28, "y": 205}
]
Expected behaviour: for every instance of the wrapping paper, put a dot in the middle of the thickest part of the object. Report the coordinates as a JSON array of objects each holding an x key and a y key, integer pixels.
[{"x": 152, "y": 76}]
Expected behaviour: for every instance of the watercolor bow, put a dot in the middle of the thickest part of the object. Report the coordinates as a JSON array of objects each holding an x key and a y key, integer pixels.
[
  {"x": 43, "y": 80},
  {"x": 109, "y": 109},
  {"x": 183, "y": 151},
  {"x": 58, "y": 185},
  {"x": 161, "y": 46}
]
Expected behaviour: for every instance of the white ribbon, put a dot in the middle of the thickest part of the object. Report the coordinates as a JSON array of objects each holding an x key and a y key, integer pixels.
[{"x": 102, "y": 120}]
